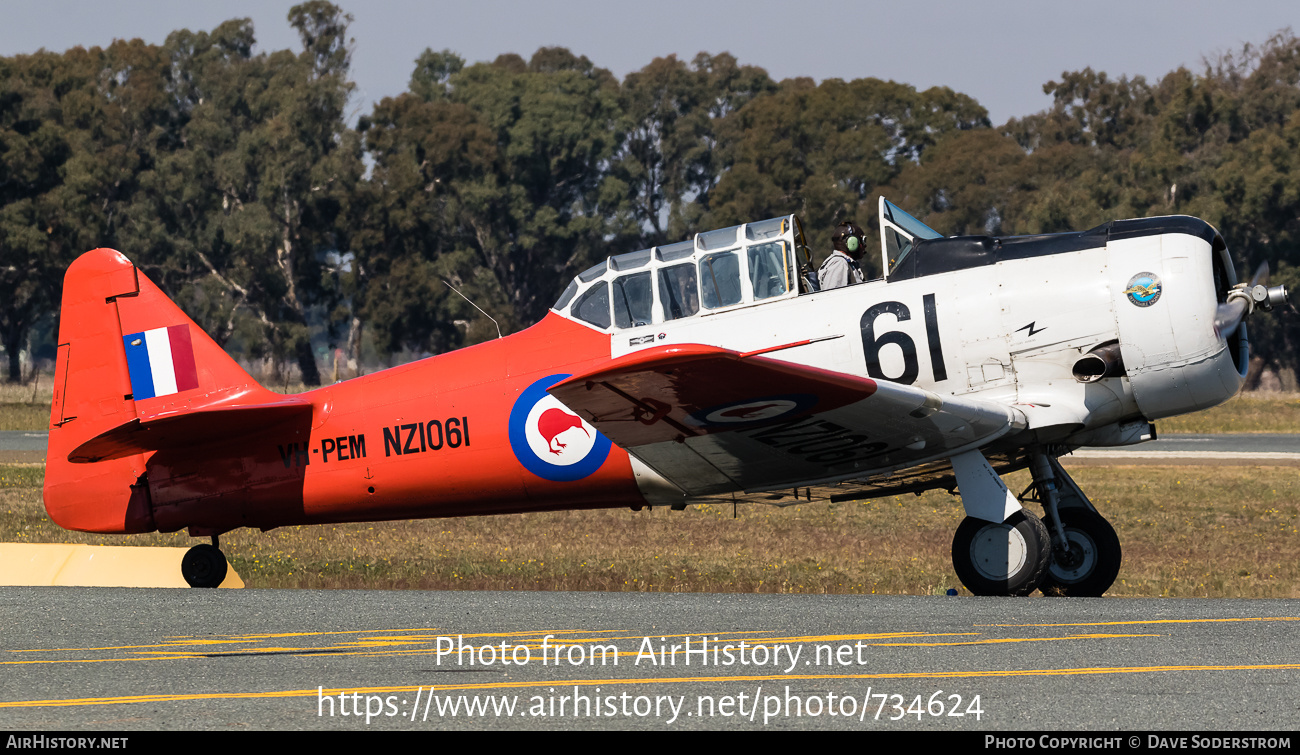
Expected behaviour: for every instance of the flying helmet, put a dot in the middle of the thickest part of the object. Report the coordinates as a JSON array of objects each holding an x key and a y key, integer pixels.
[{"x": 850, "y": 239}]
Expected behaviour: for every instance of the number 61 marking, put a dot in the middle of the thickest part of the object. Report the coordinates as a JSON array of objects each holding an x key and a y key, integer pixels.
[{"x": 871, "y": 343}]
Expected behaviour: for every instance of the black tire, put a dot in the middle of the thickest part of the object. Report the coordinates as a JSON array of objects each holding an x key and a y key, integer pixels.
[
  {"x": 1093, "y": 567},
  {"x": 204, "y": 566},
  {"x": 1004, "y": 559}
]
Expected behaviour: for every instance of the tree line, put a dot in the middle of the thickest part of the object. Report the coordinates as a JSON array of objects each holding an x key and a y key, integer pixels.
[{"x": 234, "y": 180}]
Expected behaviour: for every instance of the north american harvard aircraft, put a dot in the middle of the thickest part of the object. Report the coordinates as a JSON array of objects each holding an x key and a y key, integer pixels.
[{"x": 711, "y": 367}]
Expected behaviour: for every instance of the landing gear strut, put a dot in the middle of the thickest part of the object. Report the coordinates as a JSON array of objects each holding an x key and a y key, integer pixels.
[
  {"x": 204, "y": 565},
  {"x": 1086, "y": 555}
]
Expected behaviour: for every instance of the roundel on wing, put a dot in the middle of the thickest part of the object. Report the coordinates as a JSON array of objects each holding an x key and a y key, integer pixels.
[
  {"x": 551, "y": 441},
  {"x": 755, "y": 410}
]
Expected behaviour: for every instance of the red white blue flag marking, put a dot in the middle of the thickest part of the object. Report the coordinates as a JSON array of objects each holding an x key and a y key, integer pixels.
[{"x": 161, "y": 362}]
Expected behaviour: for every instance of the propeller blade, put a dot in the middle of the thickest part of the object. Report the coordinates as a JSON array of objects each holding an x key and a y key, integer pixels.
[
  {"x": 1228, "y": 316},
  {"x": 1261, "y": 275}
]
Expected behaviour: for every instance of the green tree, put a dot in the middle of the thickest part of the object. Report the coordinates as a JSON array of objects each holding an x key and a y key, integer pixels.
[
  {"x": 821, "y": 150},
  {"x": 667, "y": 159},
  {"x": 425, "y": 151},
  {"x": 257, "y": 182},
  {"x": 544, "y": 204},
  {"x": 71, "y": 129}
]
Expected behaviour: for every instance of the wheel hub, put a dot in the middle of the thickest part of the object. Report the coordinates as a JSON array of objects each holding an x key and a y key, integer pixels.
[
  {"x": 1076, "y": 564},
  {"x": 998, "y": 552}
]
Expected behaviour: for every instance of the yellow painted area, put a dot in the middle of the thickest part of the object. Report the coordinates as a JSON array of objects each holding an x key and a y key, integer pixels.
[
  {"x": 419, "y": 642},
  {"x": 1003, "y": 673},
  {"x": 1149, "y": 621},
  {"x": 46, "y": 564},
  {"x": 1004, "y": 640}
]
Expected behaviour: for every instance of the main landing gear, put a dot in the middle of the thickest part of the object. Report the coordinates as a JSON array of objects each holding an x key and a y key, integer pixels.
[
  {"x": 1085, "y": 549},
  {"x": 1006, "y": 558},
  {"x": 1003, "y": 549},
  {"x": 204, "y": 565}
]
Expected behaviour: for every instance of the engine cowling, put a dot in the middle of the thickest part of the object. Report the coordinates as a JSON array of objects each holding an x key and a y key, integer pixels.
[{"x": 1166, "y": 287}]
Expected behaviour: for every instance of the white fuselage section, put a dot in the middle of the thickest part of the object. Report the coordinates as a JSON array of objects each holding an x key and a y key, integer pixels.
[{"x": 1010, "y": 332}]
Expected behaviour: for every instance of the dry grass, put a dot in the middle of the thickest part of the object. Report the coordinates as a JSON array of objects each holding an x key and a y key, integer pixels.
[
  {"x": 27, "y": 407},
  {"x": 1187, "y": 531},
  {"x": 32, "y": 417},
  {"x": 1246, "y": 413},
  {"x": 39, "y": 394}
]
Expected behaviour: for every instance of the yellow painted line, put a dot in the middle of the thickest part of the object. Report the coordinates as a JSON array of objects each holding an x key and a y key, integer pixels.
[
  {"x": 1004, "y": 673},
  {"x": 765, "y": 642},
  {"x": 318, "y": 634},
  {"x": 187, "y": 643},
  {"x": 431, "y": 631},
  {"x": 673, "y": 653},
  {"x": 1009, "y": 639},
  {"x": 364, "y": 648},
  {"x": 1148, "y": 621},
  {"x": 238, "y": 638},
  {"x": 178, "y": 657},
  {"x": 844, "y": 637},
  {"x": 392, "y": 638}
]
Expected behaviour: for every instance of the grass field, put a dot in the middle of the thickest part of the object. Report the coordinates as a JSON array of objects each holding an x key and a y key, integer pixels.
[
  {"x": 1186, "y": 532},
  {"x": 1246, "y": 413}
]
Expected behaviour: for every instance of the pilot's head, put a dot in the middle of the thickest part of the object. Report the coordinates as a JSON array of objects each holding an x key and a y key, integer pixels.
[{"x": 850, "y": 239}]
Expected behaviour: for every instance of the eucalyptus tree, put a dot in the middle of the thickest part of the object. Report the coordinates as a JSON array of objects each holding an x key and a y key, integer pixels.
[{"x": 256, "y": 184}]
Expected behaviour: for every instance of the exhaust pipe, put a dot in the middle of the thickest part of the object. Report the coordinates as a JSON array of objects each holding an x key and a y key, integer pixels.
[{"x": 1102, "y": 362}]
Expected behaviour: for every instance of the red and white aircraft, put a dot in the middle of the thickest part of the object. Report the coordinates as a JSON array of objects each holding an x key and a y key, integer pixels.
[{"x": 708, "y": 367}]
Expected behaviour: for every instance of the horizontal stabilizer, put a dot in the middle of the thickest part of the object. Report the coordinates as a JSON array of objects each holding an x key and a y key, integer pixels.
[{"x": 190, "y": 428}]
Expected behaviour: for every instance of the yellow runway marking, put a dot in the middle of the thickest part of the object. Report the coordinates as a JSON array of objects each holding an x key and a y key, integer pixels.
[
  {"x": 806, "y": 641},
  {"x": 230, "y": 639},
  {"x": 188, "y": 649},
  {"x": 1006, "y": 673},
  {"x": 1147, "y": 621},
  {"x": 1009, "y": 639},
  {"x": 187, "y": 643}
]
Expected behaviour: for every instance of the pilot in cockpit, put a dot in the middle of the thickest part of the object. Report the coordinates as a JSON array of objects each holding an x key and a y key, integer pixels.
[{"x": 841, "y": 268}]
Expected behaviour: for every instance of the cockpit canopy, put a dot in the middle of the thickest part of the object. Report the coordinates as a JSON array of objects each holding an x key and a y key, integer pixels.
[
  {"x": 718, "y": 270},
  {"x": 899, "y": 235}
]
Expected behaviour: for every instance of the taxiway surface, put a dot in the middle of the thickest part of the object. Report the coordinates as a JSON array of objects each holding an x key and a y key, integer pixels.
[{"x": 193, "y": 659}]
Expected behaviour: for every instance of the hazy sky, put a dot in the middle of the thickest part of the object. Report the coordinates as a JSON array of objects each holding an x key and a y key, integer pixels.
[{"x": 998, "y": 51}]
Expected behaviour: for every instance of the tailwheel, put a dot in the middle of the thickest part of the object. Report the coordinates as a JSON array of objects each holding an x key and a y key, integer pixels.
[
  {"x": 1092, "y": 562},
  {"x": 1001, "y": 558},
  {"x": 204, "y": 565}
]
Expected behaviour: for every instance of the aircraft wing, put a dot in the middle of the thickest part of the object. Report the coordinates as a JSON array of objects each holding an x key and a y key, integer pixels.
[{"x": 713, "y": 420}]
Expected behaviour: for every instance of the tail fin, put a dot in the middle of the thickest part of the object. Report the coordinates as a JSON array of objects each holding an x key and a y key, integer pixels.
[{"x": 127, "y": 356}]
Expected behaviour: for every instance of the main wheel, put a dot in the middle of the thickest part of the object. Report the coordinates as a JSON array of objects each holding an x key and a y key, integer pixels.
[
  {"x": 1091, "y": 565},
  {"x": 204, "y": 566},
  {"x": 1007, "y": 558}
]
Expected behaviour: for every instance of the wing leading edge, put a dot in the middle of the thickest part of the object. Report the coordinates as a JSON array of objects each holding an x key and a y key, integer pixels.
[{"x": 713, "y": 420}]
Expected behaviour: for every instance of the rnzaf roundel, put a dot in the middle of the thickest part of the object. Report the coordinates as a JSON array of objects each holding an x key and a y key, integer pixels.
[{"x": 551, "y": 441}]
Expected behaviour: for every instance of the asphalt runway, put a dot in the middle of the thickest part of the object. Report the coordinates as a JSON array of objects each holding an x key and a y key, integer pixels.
[{"x": 257, "y": 659}]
